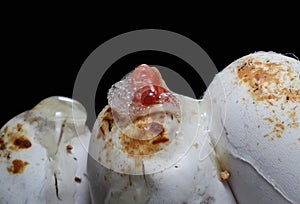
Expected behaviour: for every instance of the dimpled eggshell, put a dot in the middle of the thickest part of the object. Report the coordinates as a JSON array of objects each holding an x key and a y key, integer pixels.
[
  {"x": 254, "y": 109},
  {"x": 43, "y": 154}
]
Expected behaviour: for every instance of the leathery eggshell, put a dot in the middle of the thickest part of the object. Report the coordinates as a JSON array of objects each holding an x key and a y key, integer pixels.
[
  {"x": 43, "y": 154},
  {"x": 254, "y": 106},
  {"x": 177, "y": 166}
]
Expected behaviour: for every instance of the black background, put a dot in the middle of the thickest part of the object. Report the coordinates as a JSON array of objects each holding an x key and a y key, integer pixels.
[{"x": 41, "y": 55}]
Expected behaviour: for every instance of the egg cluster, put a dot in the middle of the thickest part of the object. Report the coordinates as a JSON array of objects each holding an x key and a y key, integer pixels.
[{"x": 239, "y": 144}]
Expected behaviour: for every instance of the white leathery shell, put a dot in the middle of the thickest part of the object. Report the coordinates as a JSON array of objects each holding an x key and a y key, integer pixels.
[
  {"x": 254, "y": 104},
  {"x": 178, "y": 168},
  {"x": 43, "y": 154}
]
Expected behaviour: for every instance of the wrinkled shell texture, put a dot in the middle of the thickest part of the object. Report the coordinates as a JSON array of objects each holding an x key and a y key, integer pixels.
[
  {"x": 244, "y": 133},
  {"x": 42, "y": 159},
  {"x": 256, "y": 120}
]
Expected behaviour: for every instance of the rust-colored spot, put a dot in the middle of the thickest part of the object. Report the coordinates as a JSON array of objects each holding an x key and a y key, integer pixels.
[
  {"x": 19, "y": 127},
  {"x": 160, "y": 140},
  {"x": 101, "y": 133},
  {"x": 141, "y": 147},
  {"x": 292, "y": 114},
  {"x": 299, "y": 138},
  {"x": 143, "y": 144},
  {"x": 277, "y": 130},
  {"x": 109, "y": 110},
  {"x": 8, "y": 155},
  {"x": 279, "y": 125},
  {"x": 107, "y": 124},
  {"x": 2, "y": 144},
  {"x": 15, "y": 139},
  {"x": 264, "y": 80},
  {"x": 145, "y": 136},
  {"x": 269, "y": 119},
  {"x": 108, "y": 120},
  {"x": 69, "y": 148},
  {"x": 17, "y": 167},
  {"x": 77, "y": 179},
  {"x": 294, "y": 124},
  {"x": 225, "y": 175},
  {"x": 22, "y": 142},
  {"x": 34, "y": 120},
  {"x": 5, "y": 129}
]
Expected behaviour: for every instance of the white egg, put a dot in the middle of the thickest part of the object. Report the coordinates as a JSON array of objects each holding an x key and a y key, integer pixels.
[
  {"x": 43, "y": 154},
  {"x": 254, "y": 111},
  {"x": 130, "y": 163}
]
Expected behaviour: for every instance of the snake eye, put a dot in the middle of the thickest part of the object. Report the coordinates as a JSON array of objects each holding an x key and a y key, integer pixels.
[{"x": 150, "y": 95}]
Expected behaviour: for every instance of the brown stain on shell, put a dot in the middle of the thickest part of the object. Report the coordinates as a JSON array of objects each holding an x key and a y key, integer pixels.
[
  {"x": 222, "y": 166},
  {"x": 2, "y": 144},
  {"x": 19, "y": 127},
  {"x": 17, "y": 166},
  {"x": 5, "y": 129},
  {"x": 260, "y": 75},
  {"x": 270, "y": 120},
  {"x": 134, "y": 146},
  {"x": 7, "y": 155},
  {"x": 149, "y": 138},
  {"x": 146, "y": 138},
  {"x": 101, "y": 133},
  {"x": 69, "y": 148},
  {"x": 13, "y": 139},
  {"x": 22, "y": 142},
  {"x": 225, "y": 175},
  {"x": 107, "y": 124},
  {"x": 108, "y": 120},
  {"x": 267, "y": 83}
]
